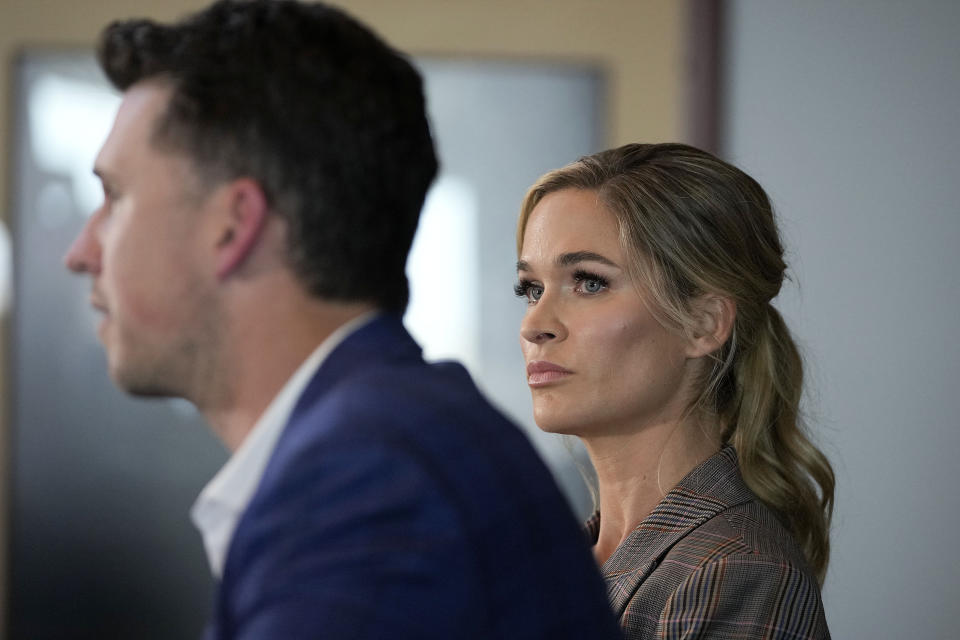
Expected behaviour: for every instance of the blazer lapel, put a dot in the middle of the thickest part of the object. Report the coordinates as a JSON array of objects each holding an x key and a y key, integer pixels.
[
  {"x": 383, "y": 338},
  {"x": 713, "y": 486}
]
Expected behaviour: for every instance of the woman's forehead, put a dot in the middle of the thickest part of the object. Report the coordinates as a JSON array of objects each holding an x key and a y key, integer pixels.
[{"x": 570, "y": 221}]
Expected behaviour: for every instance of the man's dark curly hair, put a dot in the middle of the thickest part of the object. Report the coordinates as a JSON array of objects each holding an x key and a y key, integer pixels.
[{"x": 302, "y": 98}]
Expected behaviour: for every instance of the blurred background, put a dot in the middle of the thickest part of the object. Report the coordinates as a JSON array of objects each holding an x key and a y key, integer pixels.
[{"x": 844, "y": 111}]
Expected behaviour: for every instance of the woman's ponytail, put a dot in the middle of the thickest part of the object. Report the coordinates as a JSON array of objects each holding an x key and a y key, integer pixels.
[{"x": 777, "y": 460}]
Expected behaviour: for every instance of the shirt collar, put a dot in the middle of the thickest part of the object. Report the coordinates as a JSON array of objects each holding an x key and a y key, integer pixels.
[{"x": 221, "y": 503}]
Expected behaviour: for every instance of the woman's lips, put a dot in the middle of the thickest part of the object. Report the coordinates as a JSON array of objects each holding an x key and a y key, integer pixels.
[{"x": 541, "y": 373}]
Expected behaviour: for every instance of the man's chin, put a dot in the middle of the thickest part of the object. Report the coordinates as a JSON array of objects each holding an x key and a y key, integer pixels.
[{"x": 140, "y": 385}]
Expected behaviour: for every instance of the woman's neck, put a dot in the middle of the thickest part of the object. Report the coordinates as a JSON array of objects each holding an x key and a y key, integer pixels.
[{"x": 636, "y": 470}]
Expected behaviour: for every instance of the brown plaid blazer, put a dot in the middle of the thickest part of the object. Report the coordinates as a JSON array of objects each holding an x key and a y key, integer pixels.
[{"x": 711, "y": 561}]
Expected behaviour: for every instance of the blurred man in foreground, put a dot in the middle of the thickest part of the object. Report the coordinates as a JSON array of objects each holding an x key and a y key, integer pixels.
[{"x": 262, "y": 184}]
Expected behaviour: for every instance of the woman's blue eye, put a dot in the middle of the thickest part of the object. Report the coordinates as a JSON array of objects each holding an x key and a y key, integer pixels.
[
  {"x": 592, "y": 286},
  {"x": 526, "y": 289},
  {"x": 590, "y": 283}
]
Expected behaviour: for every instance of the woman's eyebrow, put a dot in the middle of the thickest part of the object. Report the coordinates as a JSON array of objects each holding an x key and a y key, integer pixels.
[{"x": 574, "y": 257}]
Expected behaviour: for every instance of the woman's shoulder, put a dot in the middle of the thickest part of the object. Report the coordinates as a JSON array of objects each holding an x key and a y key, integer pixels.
[
  {"x": 727, "y": 568},
  {"x": 724, "y": 518},
  {"x": 748, "y": 531},
  {"x": 737, "y": 575}
]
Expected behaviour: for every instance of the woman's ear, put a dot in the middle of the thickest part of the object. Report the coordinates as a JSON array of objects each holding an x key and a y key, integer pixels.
[
  {"x": 714, "y": 319},
  {"x": 242, "y": 226}
]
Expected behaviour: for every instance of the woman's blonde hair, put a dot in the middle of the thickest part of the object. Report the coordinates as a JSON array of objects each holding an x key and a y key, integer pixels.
[{"x": 694, "y": 225}]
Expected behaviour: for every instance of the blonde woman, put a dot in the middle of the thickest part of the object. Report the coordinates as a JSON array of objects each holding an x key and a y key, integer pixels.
[{"x": 649, "y": 271}]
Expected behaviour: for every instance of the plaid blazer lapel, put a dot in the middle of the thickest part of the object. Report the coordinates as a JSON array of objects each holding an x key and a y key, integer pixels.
[{"x": 713, "y": 486}]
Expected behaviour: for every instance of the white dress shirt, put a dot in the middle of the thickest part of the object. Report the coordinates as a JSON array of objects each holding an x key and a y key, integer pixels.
[{"x": 221, "y": 503}]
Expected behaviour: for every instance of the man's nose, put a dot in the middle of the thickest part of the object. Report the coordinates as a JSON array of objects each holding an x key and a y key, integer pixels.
[{"x": 83, "y": 256}]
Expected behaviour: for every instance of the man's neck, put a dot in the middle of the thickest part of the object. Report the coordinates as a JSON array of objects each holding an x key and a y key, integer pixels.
[{"x": 265, "y": 347}]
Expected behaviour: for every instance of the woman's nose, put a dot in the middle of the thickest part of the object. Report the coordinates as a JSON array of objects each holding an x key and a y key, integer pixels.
[{"x": 542, "y": 323}]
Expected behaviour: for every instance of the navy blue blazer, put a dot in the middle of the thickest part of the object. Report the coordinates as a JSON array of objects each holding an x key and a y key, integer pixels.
[{"x": 399, "y": 504}]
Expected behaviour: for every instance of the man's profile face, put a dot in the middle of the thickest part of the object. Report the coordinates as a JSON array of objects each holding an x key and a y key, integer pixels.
[{"x": 143, "y": 249}]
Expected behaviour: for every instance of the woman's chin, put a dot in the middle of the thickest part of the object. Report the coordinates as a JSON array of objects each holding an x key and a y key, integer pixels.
[{"x": 556, "y": 425}]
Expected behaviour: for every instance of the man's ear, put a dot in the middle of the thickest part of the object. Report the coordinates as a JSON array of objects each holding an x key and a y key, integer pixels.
[
  {"x": 715, "y": 317},
  {"x": 242, "y": 226}
]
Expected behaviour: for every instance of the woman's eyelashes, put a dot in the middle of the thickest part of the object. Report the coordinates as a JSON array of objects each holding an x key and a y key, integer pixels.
[
  {"x": 589, "y": 283},
  {"x": 584, "y": 282},
  {"x": 528, "y": 289}
]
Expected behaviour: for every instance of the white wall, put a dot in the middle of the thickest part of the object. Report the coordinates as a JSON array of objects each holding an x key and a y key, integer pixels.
[{"x": 849, "y": 114}]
